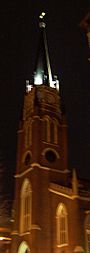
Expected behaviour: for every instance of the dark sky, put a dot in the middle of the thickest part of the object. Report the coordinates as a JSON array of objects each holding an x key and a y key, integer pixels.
[{"x": 68, "y": 56}]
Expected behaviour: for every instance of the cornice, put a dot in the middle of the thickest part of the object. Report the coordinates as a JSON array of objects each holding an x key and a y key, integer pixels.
[
  {"x": 66, "y": 192},
  {"x": 33, "y": 165}
]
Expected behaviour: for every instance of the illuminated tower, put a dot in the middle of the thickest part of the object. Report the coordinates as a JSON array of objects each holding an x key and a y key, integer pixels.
[
  {"x": 41, "y": 154},
  {"x": 47, "y": 209}
]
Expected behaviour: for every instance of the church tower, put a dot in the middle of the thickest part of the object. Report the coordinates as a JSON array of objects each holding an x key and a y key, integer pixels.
[
  {"x": 41, "y": 154},
  {"x": 49, "y": 206}
]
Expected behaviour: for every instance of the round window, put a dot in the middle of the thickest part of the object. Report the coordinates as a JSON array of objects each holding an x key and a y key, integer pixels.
[
  {"x": 50, "y": 156},
  {"x": 27, "y": 158}
]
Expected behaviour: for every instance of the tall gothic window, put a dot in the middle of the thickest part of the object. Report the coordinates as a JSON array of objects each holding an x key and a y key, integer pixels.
[
  {"x": 50, "y": 130},
  {"x": 87, "y": 228},
  {"x": 23, "y": 247},
  {"x": 61, "y": 225},
  {"x": 28, "y": 133},
  {"x": 54, "y": 131},
  {"x": 46, "y": 129},
  {"x": 26, "y": 201}
]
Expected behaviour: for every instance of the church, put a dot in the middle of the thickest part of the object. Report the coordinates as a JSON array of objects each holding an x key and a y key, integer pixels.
[{"x": 51, "y": 207}]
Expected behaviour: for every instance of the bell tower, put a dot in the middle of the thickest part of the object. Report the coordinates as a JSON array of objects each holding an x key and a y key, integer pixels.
[{"x": 41, "y": 156}]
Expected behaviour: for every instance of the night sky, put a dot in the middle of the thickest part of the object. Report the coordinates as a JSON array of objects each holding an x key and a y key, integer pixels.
[{"x": 68, "y": 50}]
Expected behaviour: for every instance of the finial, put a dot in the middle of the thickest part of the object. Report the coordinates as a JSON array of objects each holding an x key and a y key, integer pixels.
[
  {"x": 41, "y": 19},
  {"x": 42, "y": 15},
  {"x": 75, "y": 182},
  {"x": 28, "y": 86}
]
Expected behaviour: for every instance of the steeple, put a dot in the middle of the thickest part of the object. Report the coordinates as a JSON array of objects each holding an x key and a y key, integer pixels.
[{"x": 42, "y": 72}]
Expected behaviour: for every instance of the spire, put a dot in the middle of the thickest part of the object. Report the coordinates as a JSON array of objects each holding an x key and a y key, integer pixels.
[{"x": 42, "y": 73}]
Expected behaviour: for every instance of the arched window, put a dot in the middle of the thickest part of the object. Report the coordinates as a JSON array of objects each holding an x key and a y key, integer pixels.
[
  {"x": 61, "y": 225},
  {"x": 54, "y": 131},
  {"x": 28, "y": 133},
  {"x": 50, "y": 130},
  {"x": 26, "y": 202},
  {"x": 46, "y": 129},
  {"x": 23, "y": 248},
  {"x": 87, "y": 229}
]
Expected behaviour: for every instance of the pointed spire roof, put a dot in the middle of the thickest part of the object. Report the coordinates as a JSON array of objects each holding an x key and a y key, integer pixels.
[
  {"x": 42, "y": 73},
  {"x": 42, "y": 70}
]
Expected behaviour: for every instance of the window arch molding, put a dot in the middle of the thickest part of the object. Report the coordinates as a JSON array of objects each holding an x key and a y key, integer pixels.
[
  {"x": 51, "y": 149},
  {"x": 25, "y": 206},
  {"x": 61, "y": 225},
  {"x": 23, "y": 247},
  {"x": 25, "y": 155}
]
